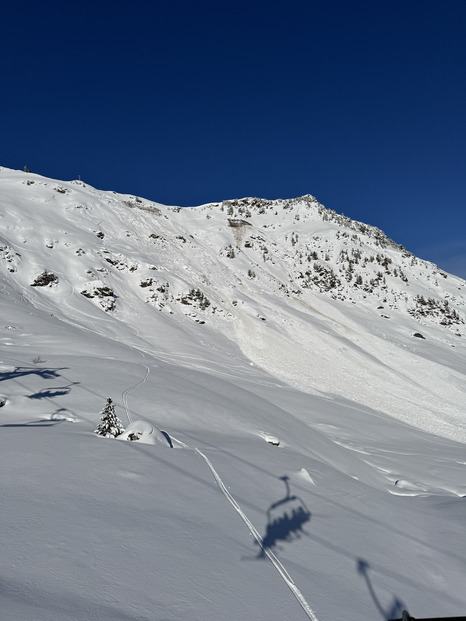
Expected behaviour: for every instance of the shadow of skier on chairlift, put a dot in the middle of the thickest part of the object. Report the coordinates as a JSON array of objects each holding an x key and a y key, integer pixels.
[{"x": 285, "y": 520}]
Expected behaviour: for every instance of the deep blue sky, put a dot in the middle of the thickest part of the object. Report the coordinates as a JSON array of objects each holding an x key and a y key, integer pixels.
[{"x": 361, "y": 103}]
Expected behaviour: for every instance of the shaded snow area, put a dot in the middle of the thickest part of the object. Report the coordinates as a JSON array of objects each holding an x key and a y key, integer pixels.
[{"x": 291, "y": 386}]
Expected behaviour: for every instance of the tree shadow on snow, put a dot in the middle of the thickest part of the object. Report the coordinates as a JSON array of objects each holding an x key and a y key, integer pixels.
[
  {"x": 285, "y": 520},
  {"x": 395, "y": 609}
]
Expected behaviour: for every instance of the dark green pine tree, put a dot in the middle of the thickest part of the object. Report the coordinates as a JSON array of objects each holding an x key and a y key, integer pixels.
[{"x": 111, "y": 426}]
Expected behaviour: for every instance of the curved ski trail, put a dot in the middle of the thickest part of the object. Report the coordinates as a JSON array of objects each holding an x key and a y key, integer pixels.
[{"x": 124, "y": 394}]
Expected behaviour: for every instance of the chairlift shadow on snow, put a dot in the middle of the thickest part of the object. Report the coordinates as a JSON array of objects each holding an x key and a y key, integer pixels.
[
  {"x": 61, "y": 415},
  {"x": 23, "y": 371},
  {"x": 46, "y": 374},
  {"x": 394, "y": 609},
  {"x": 42, "y": 422},
  {"x": 285, "y": 520},
  {"x": 50, "y": 393}
]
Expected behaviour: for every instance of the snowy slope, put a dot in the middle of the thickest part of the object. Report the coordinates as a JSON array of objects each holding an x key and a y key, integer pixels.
[{"x": 229, "y": 328}]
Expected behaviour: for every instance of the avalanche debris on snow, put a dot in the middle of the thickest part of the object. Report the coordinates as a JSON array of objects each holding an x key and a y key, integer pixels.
[{"x": 214, "y": 322}]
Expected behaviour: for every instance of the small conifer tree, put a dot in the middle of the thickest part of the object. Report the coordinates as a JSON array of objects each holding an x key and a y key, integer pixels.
[{"x": 111, "y": 426}]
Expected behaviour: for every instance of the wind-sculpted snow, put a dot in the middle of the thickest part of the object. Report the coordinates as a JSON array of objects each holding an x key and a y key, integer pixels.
[{"x": 246, "y": 345}]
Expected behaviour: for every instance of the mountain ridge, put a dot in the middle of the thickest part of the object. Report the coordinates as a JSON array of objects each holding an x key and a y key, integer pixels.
[
  {"x": 316, "y": 251},
  {"x": 276, "y": 279},
  {"x": 315, "y": 435}
]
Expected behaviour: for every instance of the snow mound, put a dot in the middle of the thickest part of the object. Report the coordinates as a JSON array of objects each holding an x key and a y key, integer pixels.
[
  {"x": 146, "y": 433},
  {"x": 304, "y": 475}
]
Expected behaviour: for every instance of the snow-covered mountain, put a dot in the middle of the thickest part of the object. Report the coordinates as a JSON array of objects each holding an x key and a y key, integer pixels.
[{"x": 309, "y": 370}]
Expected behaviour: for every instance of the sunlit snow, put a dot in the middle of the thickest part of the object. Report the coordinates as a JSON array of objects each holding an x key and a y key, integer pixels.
[{"x": 293, "y": 448}]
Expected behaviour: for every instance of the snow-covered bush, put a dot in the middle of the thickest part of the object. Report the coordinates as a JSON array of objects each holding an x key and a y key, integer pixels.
[
  {"x": 111, "y": 426},
  {"x": 195, "y": 297}
]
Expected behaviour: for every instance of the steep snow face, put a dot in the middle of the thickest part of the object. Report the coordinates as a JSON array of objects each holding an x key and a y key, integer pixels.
[
  {"x": 326, "y": 304},
  {"x": 292, "y": 450}
]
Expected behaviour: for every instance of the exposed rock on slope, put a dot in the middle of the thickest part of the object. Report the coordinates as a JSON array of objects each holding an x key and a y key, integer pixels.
[{"x": 206, "y": 261}]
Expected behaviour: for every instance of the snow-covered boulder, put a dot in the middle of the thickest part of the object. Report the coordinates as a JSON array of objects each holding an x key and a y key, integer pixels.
[{"x": 146, "y": 433}]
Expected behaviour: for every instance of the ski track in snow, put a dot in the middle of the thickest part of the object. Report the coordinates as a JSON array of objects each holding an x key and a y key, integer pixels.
[
  {"x": 252, "y": 529},
  {"x": 124, "y": 394},
  {"x": 373, "y": 357},
  {"x": 255, "y": 533},
  {"x": 90, "y": 318}
]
